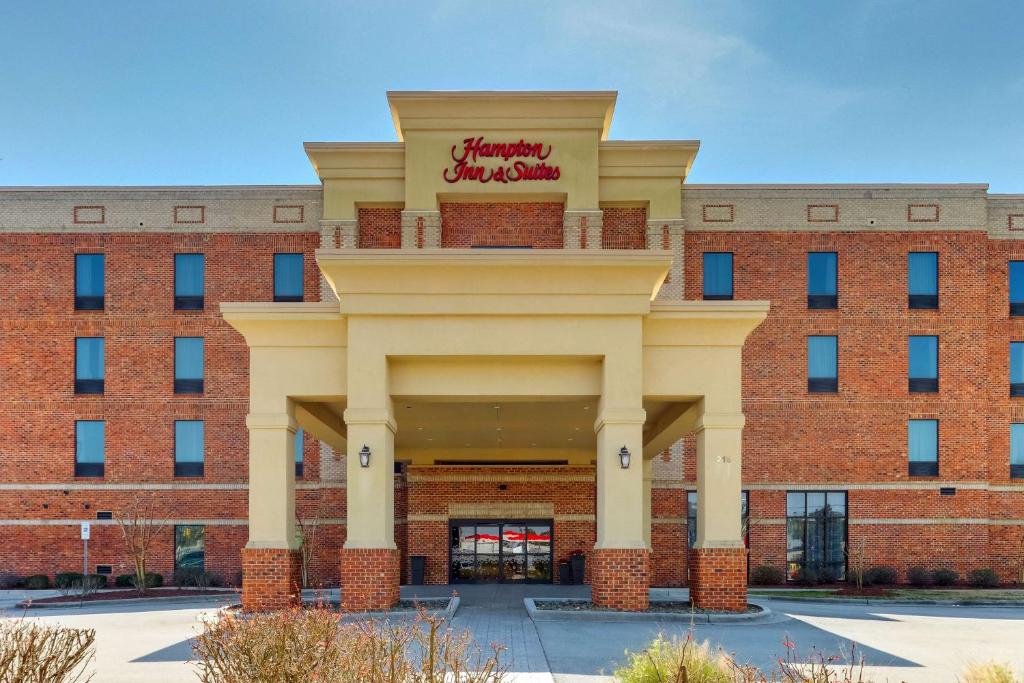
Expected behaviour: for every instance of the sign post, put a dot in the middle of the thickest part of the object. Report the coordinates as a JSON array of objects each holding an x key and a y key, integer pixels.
[{"x": 86, "y": 529}]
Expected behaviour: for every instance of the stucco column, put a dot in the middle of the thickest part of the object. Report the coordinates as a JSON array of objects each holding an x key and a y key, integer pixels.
[
  {"x": 621, "y": 556},
  {"x": 370, "y": 564},
  {"x": 718, "y": 571},
  {"x": 270, "y": 560}
]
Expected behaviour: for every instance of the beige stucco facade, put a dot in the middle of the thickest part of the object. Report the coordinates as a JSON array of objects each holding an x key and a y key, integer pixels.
[{"x": 568, "y": 348}]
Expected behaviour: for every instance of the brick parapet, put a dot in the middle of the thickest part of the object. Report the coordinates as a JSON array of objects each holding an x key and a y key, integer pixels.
[{"x": 421, "y": 229}]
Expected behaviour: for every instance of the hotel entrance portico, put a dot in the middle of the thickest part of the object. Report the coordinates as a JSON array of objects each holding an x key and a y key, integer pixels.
[{"x": 541, "y": 368}]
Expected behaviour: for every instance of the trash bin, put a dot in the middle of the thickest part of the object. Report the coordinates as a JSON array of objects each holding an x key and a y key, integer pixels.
[
  {"x": 419, "y": 569},
  {"x": 578, "y": 568},
  {"x": 564, "y": 573}
]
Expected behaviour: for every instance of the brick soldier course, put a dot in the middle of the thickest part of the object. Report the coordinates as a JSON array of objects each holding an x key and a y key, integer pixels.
[{"x": 854, "y": 441}]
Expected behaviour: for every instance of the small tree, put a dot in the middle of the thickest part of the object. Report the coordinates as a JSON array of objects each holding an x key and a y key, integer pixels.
[
  {"x": 139, "y": 529},
  {"x": 856, "y": 555},
  {"x": 308, "y": 532}
]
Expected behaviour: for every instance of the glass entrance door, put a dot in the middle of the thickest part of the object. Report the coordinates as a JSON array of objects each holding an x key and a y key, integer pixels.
[{"x": 511, "y": 551}]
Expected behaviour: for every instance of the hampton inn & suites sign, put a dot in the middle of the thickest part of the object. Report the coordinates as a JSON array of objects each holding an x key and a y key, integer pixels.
[{"x": 520, "y": 161}]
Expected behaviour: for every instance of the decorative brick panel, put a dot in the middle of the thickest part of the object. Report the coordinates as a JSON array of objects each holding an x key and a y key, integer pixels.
[
  {"x": 89, "y": 215},
  {"x": 380, "y": 228},
  {"x": 189, "y": 215},
  {"x": 289, "y": 213},
  {"x": 624, "y": 228},
  {"x": 922, "y": 213},
  {"x": 718, "y": 578},
  {"x": 369, "y": 578},
  {"x": 718, "y": 213},
  {"x": 1015, "y": 221},
  {"x": 620, "y": 578},
  {"x": 271, "y": 579},
  {"x": 502, "y": 224},
  {"x": 822, "y": 213}
]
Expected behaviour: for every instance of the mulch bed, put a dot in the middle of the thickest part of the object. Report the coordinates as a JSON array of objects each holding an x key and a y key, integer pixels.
[
  {"x": 676, "y": 606},
  {"x": 130, "y": 594}
]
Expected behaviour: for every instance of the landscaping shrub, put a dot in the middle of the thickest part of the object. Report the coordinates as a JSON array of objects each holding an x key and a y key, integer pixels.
[
  {"x": 827, "y": 575},
  {"x": 676, "y": 660},
  {"x": 66, "y": 580},
  {"x": 880, "y": 576},
  {"x": 983, "y": 578},
  {"x": 306, "y": 645},
  {"x": 96, "y": 580},
  {"x": 193, "y": 577},
  {"x": 945, "y": 577},
  {"x": 919, "y": 576},
  {"x": 807, "y": 576},
  {"x": 9, "y": 581},
  {"x": 37, "y": 582},
  {"x": 767, "y": 576},
  {"x": 30, "y": 651},
  {"x": 128, "y": 580},
  {"x": 989, "y": 673}
]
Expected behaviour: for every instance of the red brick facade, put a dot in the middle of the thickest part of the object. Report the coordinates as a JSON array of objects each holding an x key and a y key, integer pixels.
[
  {"x": 273, "y": 579},
  {"x": 380, "y": 228},
  {"x": 369, "y": 578},
  {"x": 487, "y": 224},
  {"x": 718, "y": 578},
  {"x": 854, "y": 440},
  {"x": 620, "y": 578}
]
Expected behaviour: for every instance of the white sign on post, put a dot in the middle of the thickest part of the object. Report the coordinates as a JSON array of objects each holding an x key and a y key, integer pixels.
[{"x": 85, "y": 530}]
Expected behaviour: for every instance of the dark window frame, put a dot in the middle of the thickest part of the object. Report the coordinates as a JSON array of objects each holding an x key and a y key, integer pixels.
[
  {"x": 1016, "y": 307},
  {"x": 924, "y": 385},
  {"x": 1016, "y": 469},
  {"x": 90, "y": 385},
  {"x": 1016, "y": 388},
  {"x": 91, "y": 469},
  {"x": 90, "y": 302},
  {"x": 822, "y": 385},
  {"x": 300, "y": 454},
  {"x": 822, "y": 302},
  {"x": 290, "y": 298},
  {"x": 925, "y": 468},
  {"x": 189, "y": 385},
  {"x": 827, "y": 520},
  {"x": 174, "y": 546},
  {"x": 189, "y": 468},
  {"x": 190, "y": 302},
  {"x": 732, "y": 277},
  {"x": 923, "y": 301}
]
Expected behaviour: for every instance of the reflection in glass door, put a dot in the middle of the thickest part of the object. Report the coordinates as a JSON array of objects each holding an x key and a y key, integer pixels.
[{"x": 512, "y": 551}]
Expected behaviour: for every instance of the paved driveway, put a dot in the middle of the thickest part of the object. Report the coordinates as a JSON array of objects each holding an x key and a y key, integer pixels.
[{"x": 917, "y": 644}]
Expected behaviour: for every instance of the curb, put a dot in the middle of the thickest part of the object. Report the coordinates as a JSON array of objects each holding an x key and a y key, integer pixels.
[
  {"x": 71, "y": 604},
  {"x": 882, "y": 601},
  {"x": 447, "y": 613},
  {"x": 695, "y": 617}
]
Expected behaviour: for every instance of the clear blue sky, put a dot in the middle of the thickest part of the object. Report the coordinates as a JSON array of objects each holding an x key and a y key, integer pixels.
[{"x": 225, "y": 91}]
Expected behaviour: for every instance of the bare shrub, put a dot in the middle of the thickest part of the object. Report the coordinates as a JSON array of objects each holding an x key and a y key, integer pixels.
[
  {"x": 139, "y": 529},
  {"x": 302, "y": 645},
  {"x": 33, "y": 652},
  {"x": 857, "y": 561},
  {"x": 989, "y": 673}
]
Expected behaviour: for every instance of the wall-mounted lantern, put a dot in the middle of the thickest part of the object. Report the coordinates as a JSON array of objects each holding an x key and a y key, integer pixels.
[
  {"x": 624, "y": 457},
  {"x": 364, "y": 456}
]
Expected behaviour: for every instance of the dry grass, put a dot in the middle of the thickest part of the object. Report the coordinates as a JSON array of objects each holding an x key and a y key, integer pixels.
[{"x": 314, "y": 645}]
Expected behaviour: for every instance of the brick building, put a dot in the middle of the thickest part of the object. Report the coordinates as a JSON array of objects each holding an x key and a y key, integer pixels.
[{"x": 880, "y": 393}]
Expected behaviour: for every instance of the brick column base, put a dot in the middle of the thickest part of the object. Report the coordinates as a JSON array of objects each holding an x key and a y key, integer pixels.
[
  {"x": 620, "y": 578},
  {"x": 271, "y": 579},
  {"x": 718, "y": 578},
  {"x": 369, "y": 578}
]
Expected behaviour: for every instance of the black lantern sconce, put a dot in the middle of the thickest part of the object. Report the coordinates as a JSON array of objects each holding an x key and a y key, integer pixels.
[
  {"x": 364, "y": 456},
  {"x": 624, "y": 457}
]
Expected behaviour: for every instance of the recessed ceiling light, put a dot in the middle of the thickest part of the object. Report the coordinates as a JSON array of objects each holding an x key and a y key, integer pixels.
[
  {"x": 570, "y": 438},
  {"x": 498, "y": 428},
  {"x": 421, "y": 428},
  {"x": 586, "y": 407},
  {"x": 577, "y": 429}
]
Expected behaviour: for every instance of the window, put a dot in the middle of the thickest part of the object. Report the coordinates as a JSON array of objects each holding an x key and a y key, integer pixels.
[
  {"x": 1016, "y": 285},
  {"x": 189, "y": 282},
  {"x": 923, "y": 447},
  {"x": 89, "y": 365},
  {"x": 188, "y": 365},
  {"x": 1016, "y": 368},
  {"x": 717, "y": 276},
  {"x": 923, "y": 364},
  {"x": 299, "y": 440},
  {"x": 89, "y": 448},
  {"x": 190, "y": 546},
  {"x": 691, "y": 517},
  {"x": 822, "y": 276},
  {"x": 188, "y": 448},
  {"x": 822, "y": 364},
  {"x": 89, "y": 282},
  {"x": 816, "y": 534},
  {"x": 288, "y": 277},
  {"x": 923, "y": 279},
  {"x": 1017, "y": 450}
]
